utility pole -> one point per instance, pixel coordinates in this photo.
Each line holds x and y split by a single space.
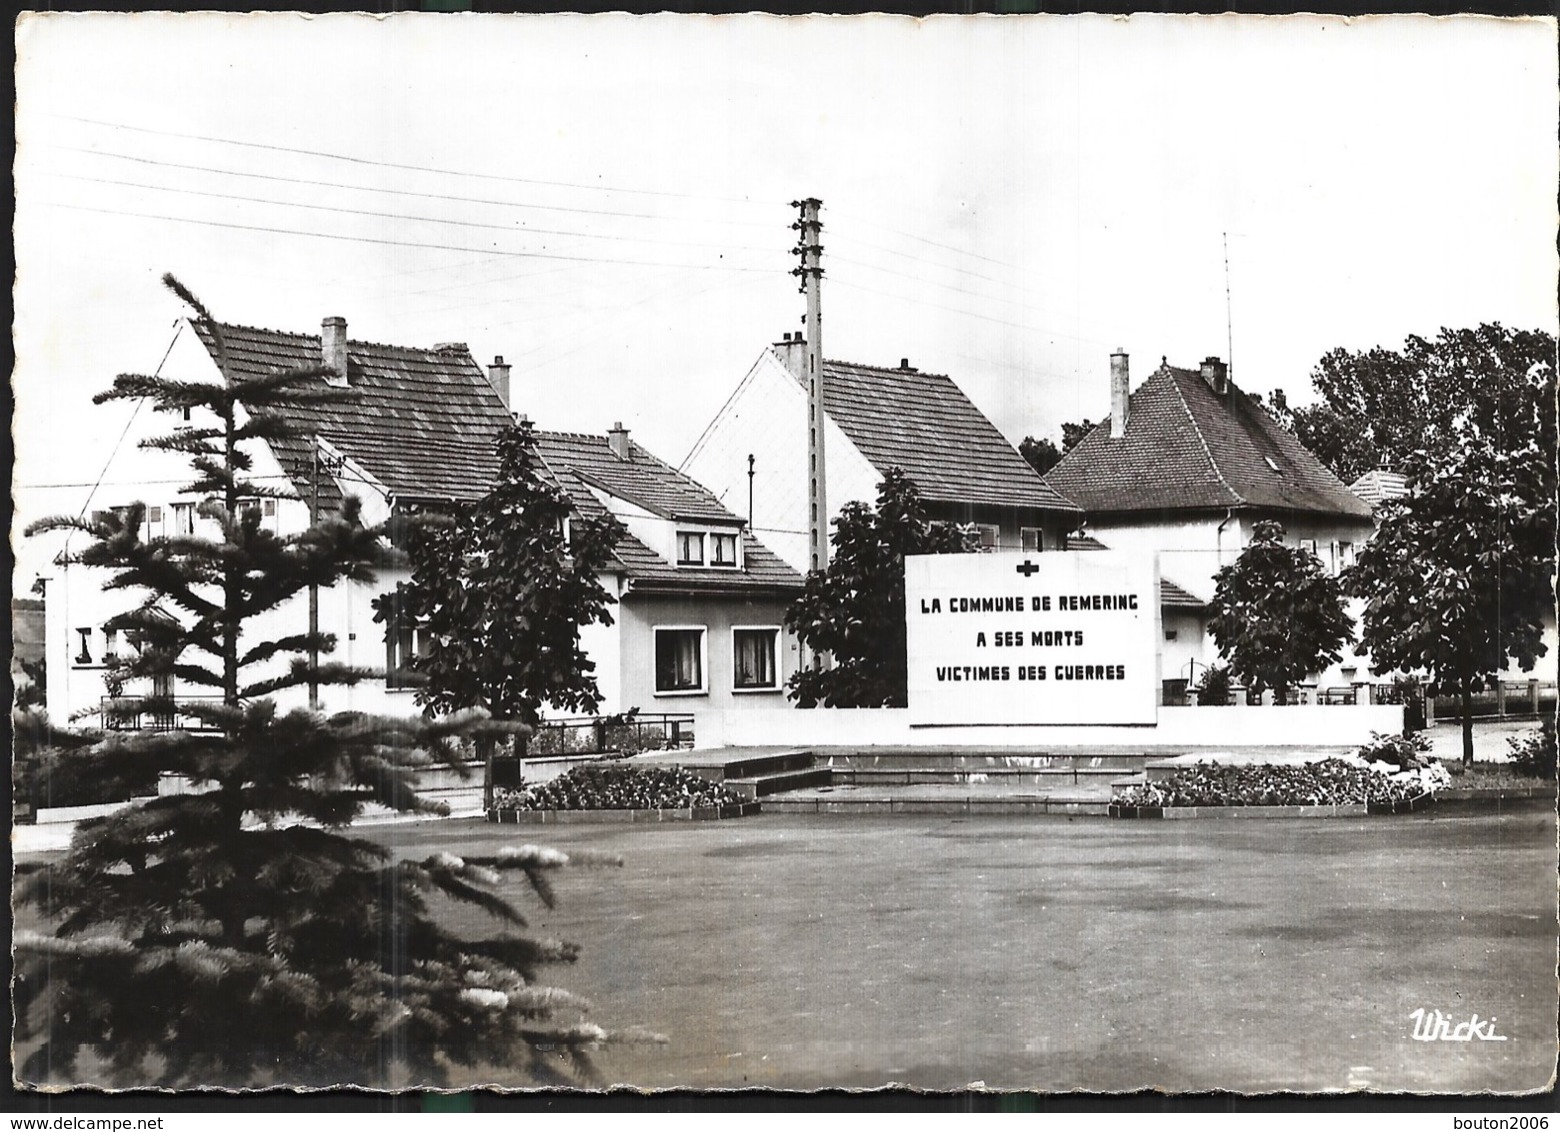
750 490
1229 318
810 249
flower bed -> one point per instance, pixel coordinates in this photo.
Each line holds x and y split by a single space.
1329 782
615 786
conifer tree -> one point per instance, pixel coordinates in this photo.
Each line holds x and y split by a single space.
235 935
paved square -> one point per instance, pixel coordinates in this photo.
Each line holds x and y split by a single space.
804 952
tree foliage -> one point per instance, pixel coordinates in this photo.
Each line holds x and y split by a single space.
854 610
234 935
1043 455
1278 616
1381 406
1459 573
501 594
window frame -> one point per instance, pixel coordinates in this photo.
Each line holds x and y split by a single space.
183 519
774 661
394 662
1039 533
713 538
996 537
703 687
685 533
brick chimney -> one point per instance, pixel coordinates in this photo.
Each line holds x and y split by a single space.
617 440
1120 394
792 352
498 378
333 349
1216 374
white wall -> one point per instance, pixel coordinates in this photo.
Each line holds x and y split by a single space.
767 417
1308 725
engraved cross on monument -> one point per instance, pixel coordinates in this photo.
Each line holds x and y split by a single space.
1027 568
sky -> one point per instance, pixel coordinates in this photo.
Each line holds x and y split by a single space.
606 200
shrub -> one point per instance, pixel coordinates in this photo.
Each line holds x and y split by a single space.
1534 752
1406 752
1213 688
613 786
1329 782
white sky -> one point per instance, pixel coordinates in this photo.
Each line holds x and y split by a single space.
1005 199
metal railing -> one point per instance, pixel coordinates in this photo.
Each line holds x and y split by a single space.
149 713
625 734
1506 699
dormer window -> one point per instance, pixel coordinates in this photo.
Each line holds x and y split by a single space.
690 548
723 549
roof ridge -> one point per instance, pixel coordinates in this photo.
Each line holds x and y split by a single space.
434 350
1197 432
912 372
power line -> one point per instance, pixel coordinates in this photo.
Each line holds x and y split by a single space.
924 240
518 230
405 192
354 160
399 243
970 314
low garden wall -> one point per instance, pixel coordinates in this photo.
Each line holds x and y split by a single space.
1178 727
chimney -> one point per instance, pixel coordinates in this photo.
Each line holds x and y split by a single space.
1120 393
333 349
617 440
1216 374
904 364
792 352
498 378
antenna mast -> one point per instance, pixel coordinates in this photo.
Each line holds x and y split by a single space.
1229 320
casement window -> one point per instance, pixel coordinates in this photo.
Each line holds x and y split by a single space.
110 645
679 660
404 640
85 655
690 548
753 659
1032 539
154 522
1308 544
989 534
1345 555
723 550
183 519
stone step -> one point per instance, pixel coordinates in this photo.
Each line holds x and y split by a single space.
763 786
1011 776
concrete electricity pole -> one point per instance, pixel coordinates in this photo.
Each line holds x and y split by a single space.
810 249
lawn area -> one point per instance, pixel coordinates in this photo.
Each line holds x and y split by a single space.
803 952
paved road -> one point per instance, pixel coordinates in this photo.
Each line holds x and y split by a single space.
795 951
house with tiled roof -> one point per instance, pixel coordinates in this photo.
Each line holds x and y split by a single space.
420 431
754 453
1380 485
1183 467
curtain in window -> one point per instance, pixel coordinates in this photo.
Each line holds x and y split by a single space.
755 658
677 661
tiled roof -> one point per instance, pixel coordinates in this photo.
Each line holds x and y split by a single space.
1170 594
924 424
644 480
1379 485
424 422
1175 597
1188 448
579 463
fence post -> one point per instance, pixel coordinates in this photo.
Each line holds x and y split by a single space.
1533 696
1429 709
1500 699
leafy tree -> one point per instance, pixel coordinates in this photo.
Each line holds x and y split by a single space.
1460 571
1382 405
854 610
1043 455
1277 614
235 935
501 595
